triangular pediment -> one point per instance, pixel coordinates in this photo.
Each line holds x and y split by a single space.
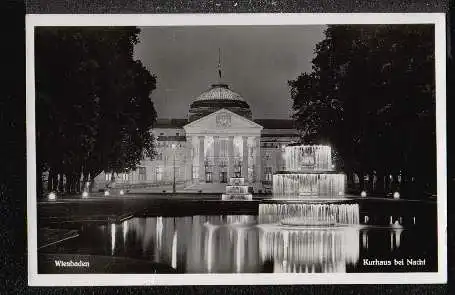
223 121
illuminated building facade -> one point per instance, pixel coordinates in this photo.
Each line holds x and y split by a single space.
219 140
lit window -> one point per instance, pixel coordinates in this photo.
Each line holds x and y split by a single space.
195 172
142 174
268 173
125 176
159 173
108 176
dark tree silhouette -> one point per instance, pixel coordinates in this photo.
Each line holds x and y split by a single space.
371 95
93 110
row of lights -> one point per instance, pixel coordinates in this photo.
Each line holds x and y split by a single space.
396 195
53 196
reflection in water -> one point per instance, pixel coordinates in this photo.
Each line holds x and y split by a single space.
238 244
174 251
197 244
310 250
364 236
124 230
113 227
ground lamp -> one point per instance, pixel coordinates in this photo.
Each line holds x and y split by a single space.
52 196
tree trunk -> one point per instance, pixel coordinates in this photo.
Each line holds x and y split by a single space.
84 181
78 183
52 183
39 184
71 183
67 183
60 183
92 180
50 180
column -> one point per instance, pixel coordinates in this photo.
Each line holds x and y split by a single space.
245 158
201 159
231 157
258 160
216 155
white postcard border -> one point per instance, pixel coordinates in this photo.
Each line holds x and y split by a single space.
438 19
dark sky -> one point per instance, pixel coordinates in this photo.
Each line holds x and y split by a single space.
257 62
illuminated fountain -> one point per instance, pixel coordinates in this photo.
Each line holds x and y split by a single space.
309 192
237 190
309 173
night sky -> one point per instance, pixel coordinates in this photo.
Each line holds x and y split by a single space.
257 62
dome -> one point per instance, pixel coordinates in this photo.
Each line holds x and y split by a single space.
217 97
219 92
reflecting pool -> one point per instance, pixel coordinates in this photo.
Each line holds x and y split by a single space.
240 244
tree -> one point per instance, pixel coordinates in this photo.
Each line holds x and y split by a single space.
371 95
93 109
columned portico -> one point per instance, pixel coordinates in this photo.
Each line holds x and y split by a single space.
224 141
258 159
201 167
216 160
245 158
231 156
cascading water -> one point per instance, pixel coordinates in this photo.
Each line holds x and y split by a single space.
338 213
309 189
309 172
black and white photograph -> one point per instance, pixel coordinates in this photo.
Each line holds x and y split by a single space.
188 150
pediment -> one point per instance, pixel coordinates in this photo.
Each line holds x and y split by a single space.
223 121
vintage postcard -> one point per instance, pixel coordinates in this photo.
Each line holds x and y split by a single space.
236 149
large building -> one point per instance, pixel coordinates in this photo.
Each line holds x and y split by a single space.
220 139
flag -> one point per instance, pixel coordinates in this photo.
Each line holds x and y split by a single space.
219 62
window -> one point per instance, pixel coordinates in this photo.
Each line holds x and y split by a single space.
108 176
177 134
208 174
159 173
161 133
142 174
124 176
268 174
208 177
195 172
238 171
223 177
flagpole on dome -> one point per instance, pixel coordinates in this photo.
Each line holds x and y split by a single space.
219 66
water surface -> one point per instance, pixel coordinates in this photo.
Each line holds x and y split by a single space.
238 244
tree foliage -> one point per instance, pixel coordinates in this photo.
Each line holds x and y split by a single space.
371 94
93 109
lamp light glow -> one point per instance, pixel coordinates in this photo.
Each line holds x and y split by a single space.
52 196
122 192
106 193
396 195
363 194
85 194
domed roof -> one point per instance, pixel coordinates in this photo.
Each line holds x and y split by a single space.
219 92
219 96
